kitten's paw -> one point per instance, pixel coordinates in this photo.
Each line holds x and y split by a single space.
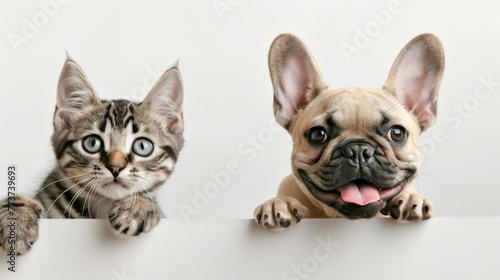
134 215
19 222
409 207
279 213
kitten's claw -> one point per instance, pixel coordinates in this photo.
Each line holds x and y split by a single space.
133 215
19 220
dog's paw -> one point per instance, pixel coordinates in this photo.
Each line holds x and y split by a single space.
280 213
19 224
134 215
409 207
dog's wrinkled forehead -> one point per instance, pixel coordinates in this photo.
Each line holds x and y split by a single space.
356 110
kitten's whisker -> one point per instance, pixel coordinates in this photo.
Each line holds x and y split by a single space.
70 204
75 197
85 201
134 203
89 197
96 187
99 201
150 196
60 181
89 193
138 176
48 210
148 181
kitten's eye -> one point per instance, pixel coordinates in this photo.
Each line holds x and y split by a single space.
318 135
143 147
397 134
92 144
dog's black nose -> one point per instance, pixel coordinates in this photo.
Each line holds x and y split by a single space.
357 150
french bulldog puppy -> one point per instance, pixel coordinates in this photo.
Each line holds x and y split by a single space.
355 149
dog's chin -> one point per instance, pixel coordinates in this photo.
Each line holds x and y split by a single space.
351 210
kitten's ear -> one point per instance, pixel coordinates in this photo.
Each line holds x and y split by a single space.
295 76
74 95
165 100
416 76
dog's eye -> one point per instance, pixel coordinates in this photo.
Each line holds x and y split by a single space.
92 144
397 134
318 135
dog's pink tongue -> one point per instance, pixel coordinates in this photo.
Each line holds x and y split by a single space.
361 195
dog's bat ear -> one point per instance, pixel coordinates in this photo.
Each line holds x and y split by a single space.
295 76
416 76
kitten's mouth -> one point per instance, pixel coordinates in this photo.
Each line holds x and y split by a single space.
116 184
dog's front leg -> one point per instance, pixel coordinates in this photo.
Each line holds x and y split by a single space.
284 210
409 206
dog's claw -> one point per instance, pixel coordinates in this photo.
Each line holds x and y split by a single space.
409 207
296 214
280 213
283 222
395 212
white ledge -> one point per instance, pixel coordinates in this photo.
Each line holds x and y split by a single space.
441 248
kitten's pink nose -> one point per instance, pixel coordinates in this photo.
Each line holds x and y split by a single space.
116 162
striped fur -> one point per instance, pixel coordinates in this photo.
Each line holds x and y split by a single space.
82 186
114 182
117 123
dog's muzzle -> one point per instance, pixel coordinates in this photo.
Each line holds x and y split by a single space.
357 180
357 150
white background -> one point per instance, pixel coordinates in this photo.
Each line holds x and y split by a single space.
438 249
228 93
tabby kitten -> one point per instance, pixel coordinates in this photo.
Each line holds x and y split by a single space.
111 157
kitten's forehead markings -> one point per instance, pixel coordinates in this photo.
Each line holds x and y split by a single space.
129 140
119 114
118 141
118 118
106 138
